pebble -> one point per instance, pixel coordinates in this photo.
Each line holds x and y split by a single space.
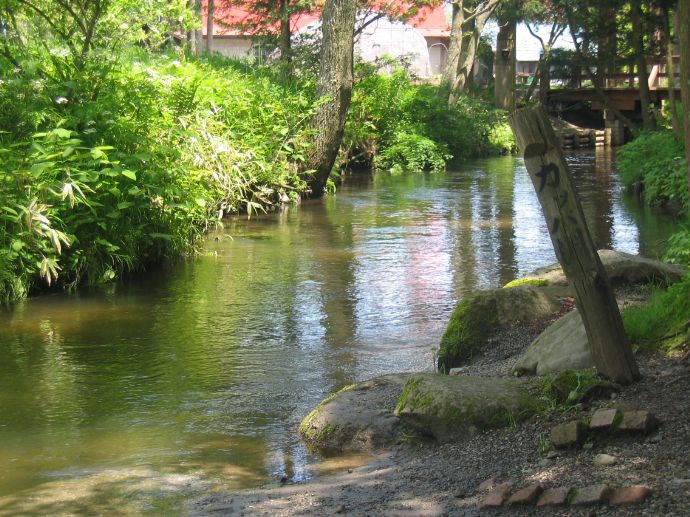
604 460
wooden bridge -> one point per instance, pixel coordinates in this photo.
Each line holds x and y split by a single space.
622 90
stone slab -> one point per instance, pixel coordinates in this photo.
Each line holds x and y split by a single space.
495 498
639 421
592 494
630 495
569 434
555 496
527 495
603 419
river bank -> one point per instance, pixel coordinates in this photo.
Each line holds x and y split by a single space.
429 479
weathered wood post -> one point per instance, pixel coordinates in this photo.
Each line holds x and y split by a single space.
572 242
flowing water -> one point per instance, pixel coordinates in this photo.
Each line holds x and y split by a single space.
130 399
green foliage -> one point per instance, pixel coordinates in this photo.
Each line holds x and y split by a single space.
678 247
664 321
471 323
409 127
563 390
138 174
411 152
657 161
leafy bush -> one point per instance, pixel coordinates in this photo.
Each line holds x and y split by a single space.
137 174
410 152
390 111
657 161
678 247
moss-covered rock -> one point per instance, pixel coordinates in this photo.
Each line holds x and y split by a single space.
358 417
480 314
452 408
535 282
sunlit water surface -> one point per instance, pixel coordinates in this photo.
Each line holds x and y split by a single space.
194 378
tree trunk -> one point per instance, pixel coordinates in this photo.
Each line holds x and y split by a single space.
684 26
468 54
648 121
450 69
334 88
606 45
504 86
670 74
284 42
608 342
209 25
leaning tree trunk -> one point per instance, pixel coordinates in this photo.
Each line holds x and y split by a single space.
548 170
684 25
648 121
334 88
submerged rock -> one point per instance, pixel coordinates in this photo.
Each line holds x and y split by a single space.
452 408
482 313
357 418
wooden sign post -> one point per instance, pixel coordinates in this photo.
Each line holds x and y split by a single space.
572 242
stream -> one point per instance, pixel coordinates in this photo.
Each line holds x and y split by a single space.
131 398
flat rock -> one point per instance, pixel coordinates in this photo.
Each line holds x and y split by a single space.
452 408
358 418
562 346
622 269
527 495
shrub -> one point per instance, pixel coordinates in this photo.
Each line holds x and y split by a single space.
657 161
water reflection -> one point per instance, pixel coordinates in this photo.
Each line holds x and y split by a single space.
202 371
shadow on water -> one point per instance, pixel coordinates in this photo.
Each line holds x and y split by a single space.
196 376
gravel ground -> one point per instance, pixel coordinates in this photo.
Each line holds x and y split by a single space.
419 479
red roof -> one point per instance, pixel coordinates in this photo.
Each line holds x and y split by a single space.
237 21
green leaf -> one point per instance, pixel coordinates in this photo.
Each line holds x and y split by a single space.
129 174
39 168
201 202
62 132
165 236
124 205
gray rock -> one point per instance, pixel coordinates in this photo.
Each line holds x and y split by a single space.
622 268
455 408
562 346
357 418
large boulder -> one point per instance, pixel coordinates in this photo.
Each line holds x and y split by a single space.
480 314
357 418
622 269
453 408
562 346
